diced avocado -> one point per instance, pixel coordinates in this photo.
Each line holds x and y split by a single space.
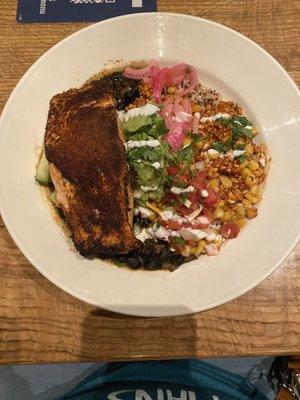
43 173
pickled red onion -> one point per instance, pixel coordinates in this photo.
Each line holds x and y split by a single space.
141 73
175 137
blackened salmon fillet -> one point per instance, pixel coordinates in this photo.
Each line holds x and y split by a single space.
84 145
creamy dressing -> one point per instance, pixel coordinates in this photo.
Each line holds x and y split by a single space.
155 232
215 117
194 214
177 190
262 162
192 234
237 153
149 188
141 143
143 235
148 109
137 194
145 212
156 165
212 152
204 193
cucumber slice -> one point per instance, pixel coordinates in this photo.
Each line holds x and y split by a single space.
53 198
43 172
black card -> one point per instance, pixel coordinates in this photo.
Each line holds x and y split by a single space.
79 10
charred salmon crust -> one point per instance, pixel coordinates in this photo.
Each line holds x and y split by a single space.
84 146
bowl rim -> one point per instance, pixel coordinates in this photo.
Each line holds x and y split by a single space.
35 65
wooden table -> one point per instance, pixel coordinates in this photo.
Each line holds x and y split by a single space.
40 323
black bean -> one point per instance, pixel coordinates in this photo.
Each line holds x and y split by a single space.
152 264
134 262
177 259
121 258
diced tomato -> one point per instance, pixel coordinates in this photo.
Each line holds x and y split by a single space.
212 249
191 243
204 220
229 231
183 178
182 210
194 198
198 181
212 198
173 170
200 223
172 225
208 214
168 198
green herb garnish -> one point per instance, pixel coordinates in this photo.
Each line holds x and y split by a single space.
141 159
185 154
238 126
220 147
178 240
136 123
195 137
119 264
183 199
242 158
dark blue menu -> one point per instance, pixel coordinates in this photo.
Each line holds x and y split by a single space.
79 10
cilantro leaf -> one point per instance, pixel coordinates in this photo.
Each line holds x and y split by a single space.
178 240
220 147
242 120
185 154
242 158
195 137
237 124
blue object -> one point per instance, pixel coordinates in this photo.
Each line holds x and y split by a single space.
163 380
79 10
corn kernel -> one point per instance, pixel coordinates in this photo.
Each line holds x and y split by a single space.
261 178
221 203
153 207
252 212
196 108
246 172
244 164
247 204
227 216
214 183
240 222
254 190
171 90
240 210
218 213
249 148
199 145
251 198
253 165
258 172
200 247
250 180
226 182
186 251
187 141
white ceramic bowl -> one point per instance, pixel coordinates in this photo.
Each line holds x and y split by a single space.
227 61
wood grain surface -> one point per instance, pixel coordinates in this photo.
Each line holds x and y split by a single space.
39 323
